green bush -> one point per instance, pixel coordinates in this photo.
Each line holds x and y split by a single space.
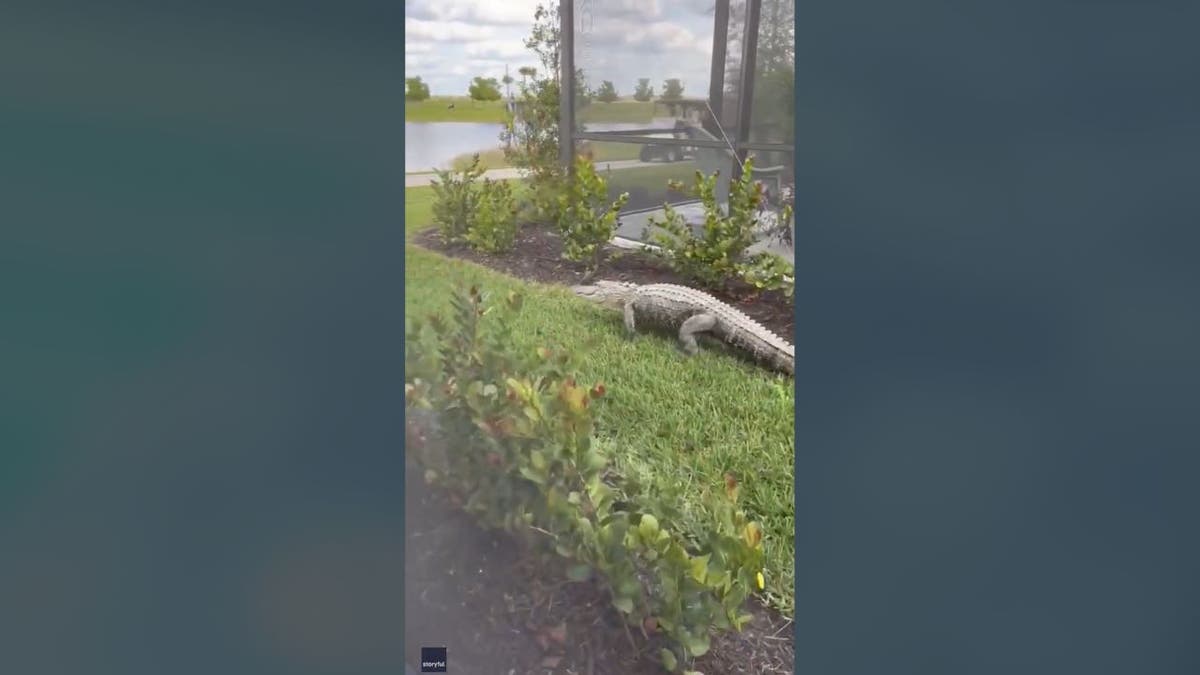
718 254
769 272
495 224
588 220
456 200
712 257
520 427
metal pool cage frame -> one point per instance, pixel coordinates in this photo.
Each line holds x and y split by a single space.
739 140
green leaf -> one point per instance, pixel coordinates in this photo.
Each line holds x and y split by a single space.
699 567
668 660
696 645
593 461
628 587
580 573
648 527
624 604
585 527
532 475
537 459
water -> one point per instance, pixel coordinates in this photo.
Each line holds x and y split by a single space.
433 145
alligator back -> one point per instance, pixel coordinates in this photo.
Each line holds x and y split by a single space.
670 305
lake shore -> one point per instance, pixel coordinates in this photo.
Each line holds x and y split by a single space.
465 109
432 145
419 179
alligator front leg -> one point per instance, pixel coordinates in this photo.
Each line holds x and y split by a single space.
630 323
699 323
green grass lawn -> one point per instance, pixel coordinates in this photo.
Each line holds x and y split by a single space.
436 109
623 110
674 424
602 152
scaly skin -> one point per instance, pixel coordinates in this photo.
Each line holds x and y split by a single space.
690 312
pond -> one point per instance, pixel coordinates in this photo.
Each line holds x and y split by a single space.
433 145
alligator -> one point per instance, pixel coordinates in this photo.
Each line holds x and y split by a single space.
691 312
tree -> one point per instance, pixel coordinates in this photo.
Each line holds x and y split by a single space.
644 91
776 36
507 80
415 89
531 139
775 54
583 94
672 90
607 92
484 89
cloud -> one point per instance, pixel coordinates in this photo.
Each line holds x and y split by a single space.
508 13
445 31
640 10
448 42
500 49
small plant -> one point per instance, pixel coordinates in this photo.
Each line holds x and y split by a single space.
769 272
494 228
588 220
714 256
785 226
457 200
521 426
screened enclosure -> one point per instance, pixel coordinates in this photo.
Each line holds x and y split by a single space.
654 91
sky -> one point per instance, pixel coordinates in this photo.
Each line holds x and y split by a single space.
449 42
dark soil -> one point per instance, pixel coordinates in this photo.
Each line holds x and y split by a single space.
480 595
537 256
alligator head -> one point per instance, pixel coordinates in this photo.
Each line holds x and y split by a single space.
611 294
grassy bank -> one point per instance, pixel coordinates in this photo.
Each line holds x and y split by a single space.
674 424
437 109
624 110
602 152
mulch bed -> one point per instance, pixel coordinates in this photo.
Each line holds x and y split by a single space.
537 256
485 599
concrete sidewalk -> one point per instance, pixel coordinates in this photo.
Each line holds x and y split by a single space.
421 179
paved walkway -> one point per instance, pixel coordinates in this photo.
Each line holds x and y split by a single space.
420 179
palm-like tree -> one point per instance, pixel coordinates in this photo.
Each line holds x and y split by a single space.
526 73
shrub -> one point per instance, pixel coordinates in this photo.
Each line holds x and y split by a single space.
769 272
456 200
712 257
484 89
718 254
494 228
521 429
587 219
